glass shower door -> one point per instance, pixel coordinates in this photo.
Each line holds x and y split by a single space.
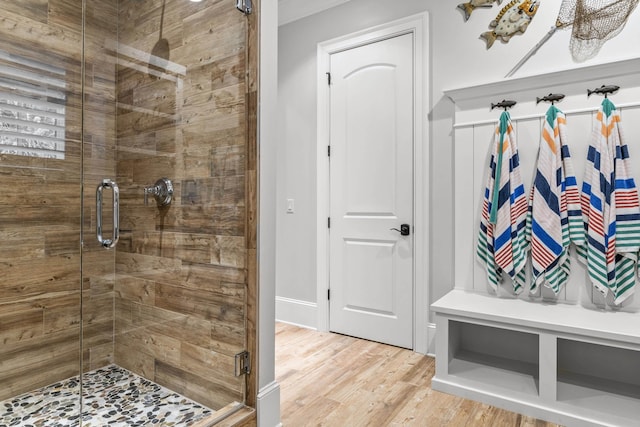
164 310
131 94
40 211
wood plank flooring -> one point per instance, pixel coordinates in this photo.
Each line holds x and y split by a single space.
334 380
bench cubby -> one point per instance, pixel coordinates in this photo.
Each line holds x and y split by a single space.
558 362
572 358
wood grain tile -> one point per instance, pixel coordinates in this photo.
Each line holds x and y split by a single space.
183 268
175 291
334 380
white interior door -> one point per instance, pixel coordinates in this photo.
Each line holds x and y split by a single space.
371 191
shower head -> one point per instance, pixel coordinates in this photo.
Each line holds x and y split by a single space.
159 57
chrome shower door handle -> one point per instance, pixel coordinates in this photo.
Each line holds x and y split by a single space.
108 243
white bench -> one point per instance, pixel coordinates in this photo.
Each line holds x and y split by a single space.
558 362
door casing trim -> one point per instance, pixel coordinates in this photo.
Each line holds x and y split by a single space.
418 26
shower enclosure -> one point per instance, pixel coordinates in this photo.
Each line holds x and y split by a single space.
127 211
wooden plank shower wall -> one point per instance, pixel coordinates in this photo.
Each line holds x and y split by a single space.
473 135
40 207
181 285
180 278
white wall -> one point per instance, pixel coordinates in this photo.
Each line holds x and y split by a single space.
268 400
458 58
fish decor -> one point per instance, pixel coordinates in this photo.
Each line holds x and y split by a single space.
603 90
514 18
503 104
552 98
469 7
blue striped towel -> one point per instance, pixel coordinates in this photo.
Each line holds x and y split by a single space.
610 208
502 244
554 207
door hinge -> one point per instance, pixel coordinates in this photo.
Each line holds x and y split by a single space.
328 293
329 150
243 364
244 6
329 222
329 78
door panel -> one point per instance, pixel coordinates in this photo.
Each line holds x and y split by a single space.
370 187
378 255
371 169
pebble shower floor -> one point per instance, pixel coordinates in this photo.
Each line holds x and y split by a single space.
112 396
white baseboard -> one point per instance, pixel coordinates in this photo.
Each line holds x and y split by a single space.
268 406
296 312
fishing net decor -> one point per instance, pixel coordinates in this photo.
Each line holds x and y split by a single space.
594 22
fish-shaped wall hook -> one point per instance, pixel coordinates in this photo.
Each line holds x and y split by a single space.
504 104
552 98
470 6
603 90
514 18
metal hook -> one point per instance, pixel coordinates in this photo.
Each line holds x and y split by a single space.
552 98
603 90
504 104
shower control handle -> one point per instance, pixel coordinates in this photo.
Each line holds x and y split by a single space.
162 191
108 243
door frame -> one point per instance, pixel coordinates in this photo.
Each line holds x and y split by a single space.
418 26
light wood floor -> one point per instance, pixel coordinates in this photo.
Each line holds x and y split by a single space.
334 380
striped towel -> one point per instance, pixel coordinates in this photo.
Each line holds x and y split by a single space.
610 208
554 218
502 244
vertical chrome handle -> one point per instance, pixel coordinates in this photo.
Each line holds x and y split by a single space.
108 243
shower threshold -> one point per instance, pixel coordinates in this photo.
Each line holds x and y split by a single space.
112 396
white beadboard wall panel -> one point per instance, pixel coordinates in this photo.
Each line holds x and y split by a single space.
464 192
473 134
482 144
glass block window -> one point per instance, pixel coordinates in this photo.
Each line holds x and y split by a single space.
32 107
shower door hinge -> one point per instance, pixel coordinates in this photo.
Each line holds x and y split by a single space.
244 6
243 364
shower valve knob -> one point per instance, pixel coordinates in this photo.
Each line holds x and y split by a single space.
162 191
